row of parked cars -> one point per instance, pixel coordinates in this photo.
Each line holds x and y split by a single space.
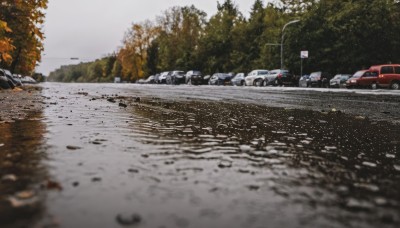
385 76
254 78
9 80
379 76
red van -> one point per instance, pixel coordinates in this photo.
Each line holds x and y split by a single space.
389 75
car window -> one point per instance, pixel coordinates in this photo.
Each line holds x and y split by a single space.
263 72
358 74
397 69
370 74
387 70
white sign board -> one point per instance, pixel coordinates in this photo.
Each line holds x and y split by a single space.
304 54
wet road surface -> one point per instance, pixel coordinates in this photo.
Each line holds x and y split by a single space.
158 156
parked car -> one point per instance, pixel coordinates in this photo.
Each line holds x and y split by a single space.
281 78
175 78
206 79
320 79
11 77
363 79
4 82
256 78
219 79
304 81
194 77
162 79
389 75
150 80
28 80
238 79
339 80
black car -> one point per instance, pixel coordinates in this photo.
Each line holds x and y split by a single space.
7 80
16 81
284 78
220 79
176 77
194 77
4 82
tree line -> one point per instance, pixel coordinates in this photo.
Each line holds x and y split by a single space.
341 37
21 35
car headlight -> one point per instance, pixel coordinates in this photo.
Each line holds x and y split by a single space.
353 81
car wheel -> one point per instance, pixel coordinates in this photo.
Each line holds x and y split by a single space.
395 85
374 85
265 82
257 82
242 83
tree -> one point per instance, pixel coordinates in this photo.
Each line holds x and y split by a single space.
133 54
180 31
24 18
216 45
345 36
6 46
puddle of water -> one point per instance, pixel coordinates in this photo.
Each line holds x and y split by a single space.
212 164
23 177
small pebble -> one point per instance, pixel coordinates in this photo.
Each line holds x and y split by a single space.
128 220
73 147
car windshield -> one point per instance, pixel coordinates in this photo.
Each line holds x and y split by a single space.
358 74
344 77
262 72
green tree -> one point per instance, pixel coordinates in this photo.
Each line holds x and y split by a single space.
216 45
181 29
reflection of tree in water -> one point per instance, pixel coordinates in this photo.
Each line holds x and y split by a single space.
21 171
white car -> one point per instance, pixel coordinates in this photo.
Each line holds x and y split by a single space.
162 79
256 78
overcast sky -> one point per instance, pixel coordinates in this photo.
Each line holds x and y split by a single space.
90 29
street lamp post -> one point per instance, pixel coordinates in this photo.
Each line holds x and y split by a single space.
283 35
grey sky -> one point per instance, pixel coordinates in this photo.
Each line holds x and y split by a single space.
89 29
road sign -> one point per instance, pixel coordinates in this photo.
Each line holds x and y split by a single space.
304 54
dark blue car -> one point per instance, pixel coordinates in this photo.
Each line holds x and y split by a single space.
220 79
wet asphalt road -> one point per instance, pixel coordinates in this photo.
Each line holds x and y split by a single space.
110 155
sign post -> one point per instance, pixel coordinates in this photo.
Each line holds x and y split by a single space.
303 55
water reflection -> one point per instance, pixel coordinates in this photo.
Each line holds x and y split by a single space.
336 166
22 172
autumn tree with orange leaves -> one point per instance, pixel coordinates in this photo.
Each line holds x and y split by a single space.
133 54
6 46
21 36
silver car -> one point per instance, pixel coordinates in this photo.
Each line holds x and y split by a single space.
339 80
238 79
256 78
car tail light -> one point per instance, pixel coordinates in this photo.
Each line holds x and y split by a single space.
381 76
279 75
